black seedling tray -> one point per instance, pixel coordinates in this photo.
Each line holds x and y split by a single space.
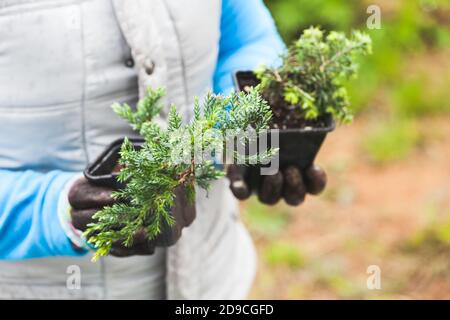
100 172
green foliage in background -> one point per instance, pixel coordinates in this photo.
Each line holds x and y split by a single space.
391 141
283 253
265 221
408 27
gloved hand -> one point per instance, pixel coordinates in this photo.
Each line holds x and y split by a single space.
86 199
289 183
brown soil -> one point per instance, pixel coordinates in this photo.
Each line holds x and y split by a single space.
117 168
286 116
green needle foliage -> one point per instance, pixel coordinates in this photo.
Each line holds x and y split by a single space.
169 159
312 74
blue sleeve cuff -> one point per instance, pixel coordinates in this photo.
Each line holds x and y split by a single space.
60 244
29 222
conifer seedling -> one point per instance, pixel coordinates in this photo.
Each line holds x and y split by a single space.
310 83
169 159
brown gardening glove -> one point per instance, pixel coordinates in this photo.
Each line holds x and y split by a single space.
289 183
86 199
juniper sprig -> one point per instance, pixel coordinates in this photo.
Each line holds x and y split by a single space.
170 158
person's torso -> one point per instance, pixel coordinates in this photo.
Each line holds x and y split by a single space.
62 64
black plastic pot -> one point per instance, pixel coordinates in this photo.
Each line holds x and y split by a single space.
297 146
101 173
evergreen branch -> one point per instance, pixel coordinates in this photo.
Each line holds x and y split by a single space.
168 160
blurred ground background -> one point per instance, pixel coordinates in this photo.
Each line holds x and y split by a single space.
388 198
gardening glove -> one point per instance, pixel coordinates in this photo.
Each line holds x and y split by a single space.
86 199
290 183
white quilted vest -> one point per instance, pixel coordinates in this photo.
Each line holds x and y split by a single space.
173 44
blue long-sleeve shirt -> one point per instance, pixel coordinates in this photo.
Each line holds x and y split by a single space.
29 223
248 38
